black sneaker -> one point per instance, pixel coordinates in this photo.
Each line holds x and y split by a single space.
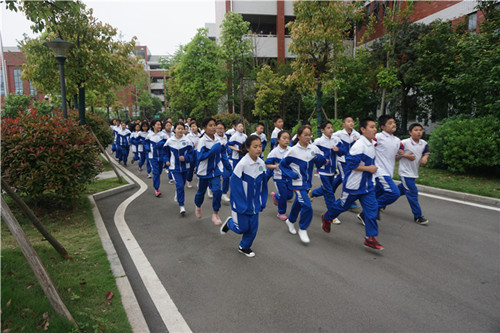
361 218
421 220
249 253
224 227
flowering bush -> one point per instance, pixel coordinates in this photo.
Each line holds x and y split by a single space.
48 156
98 124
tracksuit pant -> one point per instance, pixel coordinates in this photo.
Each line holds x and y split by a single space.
118 153
190 173
340 176
226 175
246 225
370 209
144 160
214 184
124 151
302 205
386 191
285 193
326 189
408 188
180 180
136 154
157 169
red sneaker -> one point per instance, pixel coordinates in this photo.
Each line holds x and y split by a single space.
326 225
372 243
275 201
157 193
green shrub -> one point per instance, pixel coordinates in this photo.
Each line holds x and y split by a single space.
48 156
15 104
227 118
98 124
463 145
44 108
337 126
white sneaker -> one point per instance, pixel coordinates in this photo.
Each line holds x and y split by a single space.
291 227
209 192
304 237
197 212
189 184
225 198
335 221
175 196
183 210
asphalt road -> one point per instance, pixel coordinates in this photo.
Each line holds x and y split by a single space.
441 277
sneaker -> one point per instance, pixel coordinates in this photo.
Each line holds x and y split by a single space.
175 197
225 198
325 224
149 175
132 162
197 212
171 181
304 237
282 217
421 220
336 221
182 210
139 169
275 201
249 253
291 227
361 218
310 194
224 228
354 206
209 193
189 185
157 193
216 219
372 243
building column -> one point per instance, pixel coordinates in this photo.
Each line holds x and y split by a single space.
280 29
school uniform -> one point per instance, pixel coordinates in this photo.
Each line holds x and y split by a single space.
134 145
226 174
263 141
141 138
123 144
408 172
154 145
283 184
248 198
237 140
358 185
274 137
114 146
298 164
168 135
174 149
230 133
347 142
194 138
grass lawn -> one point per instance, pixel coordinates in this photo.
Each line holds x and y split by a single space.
105 163
83 283
104 184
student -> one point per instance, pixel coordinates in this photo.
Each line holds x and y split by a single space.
348 136
113 128
235 143
117 128
387 148
154 145
209 169
134 141
415 152
248 195
123 143
358 183
167 129
231 131
143 134
259 131
194 136
226 174
278 127
304 123
330 146
298 164
283 184
179 152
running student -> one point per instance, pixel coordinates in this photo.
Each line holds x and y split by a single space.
298 164
416 152
248 195
278 127
123 143
143 134
209 169
283 184
194 136
154 145
226 174
259 131
358 183
178 150
235 143
134 141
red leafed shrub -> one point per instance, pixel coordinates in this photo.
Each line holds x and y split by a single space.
47 156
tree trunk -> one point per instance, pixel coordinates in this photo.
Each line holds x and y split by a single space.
81 105
319 103
242 108
335 92
404 109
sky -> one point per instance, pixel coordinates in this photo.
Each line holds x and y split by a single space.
162 25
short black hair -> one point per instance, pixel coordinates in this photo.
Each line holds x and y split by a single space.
260 124
324 123
412 126
383 119
276 118
343 119
364 122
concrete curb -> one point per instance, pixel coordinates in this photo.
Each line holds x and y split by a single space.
116 190
129 301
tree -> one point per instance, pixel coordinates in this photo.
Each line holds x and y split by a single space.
318 34
236 50
270 90
199 73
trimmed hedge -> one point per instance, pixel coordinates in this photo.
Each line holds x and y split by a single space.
464 145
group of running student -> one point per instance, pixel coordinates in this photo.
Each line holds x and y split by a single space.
365 164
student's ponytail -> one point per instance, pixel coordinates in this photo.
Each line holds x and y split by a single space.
248 142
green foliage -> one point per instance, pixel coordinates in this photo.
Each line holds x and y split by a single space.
463 145
270 89
15 104
227 119
99 126
337 126
48 156
44 107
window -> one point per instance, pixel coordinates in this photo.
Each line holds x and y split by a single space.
32 89
2 89
472 22
18 83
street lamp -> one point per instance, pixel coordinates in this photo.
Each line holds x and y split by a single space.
60 48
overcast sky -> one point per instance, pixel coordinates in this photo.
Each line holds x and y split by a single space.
162 25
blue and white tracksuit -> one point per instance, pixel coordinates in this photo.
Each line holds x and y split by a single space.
358 185
347 142
229 133
248 198
226 174
274 137
154 145
263 141
134 142
123 144
237 140
210 165
174 149
327 171
141 139
298 164
408 172
115 136
165 158
283 184
195 138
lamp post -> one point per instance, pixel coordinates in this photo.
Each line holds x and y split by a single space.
60 48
